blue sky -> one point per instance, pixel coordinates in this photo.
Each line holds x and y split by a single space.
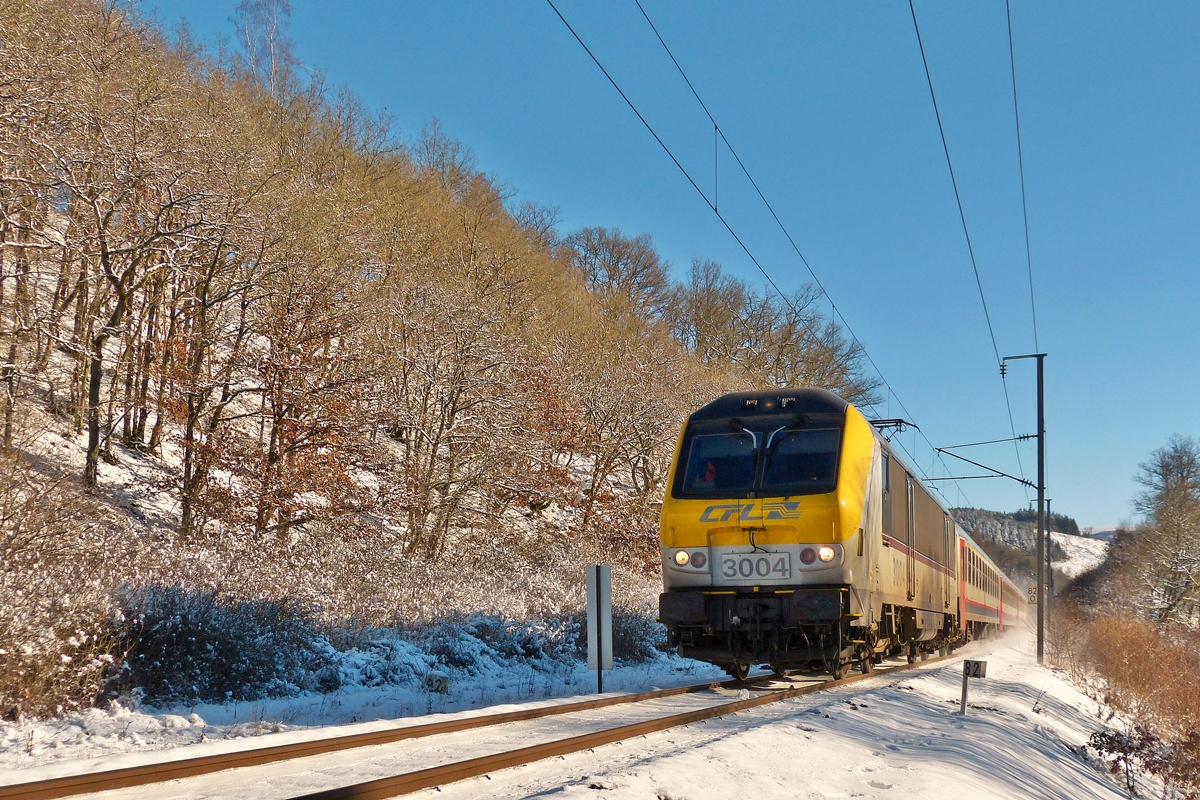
828 106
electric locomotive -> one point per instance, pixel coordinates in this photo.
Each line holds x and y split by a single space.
793 536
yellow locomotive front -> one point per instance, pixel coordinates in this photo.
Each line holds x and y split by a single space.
762 530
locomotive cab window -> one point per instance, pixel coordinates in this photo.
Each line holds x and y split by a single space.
802 462
720 464
758 457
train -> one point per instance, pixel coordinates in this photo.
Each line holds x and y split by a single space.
794 536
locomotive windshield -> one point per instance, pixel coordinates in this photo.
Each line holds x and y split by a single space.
802 462
777 461
720 465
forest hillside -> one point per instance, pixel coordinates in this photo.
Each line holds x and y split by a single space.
1016 529
1010 539
274 373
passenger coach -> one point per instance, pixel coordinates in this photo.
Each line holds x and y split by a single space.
793 536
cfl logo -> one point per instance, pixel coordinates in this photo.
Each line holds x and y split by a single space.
782 510
744 512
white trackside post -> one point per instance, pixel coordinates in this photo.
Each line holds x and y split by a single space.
599 621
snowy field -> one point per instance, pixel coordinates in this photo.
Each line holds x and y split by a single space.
888 737
1083 553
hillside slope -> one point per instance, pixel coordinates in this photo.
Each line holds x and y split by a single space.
1083 553
1015 529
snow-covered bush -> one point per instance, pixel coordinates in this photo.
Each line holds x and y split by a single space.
635 634
478 644
1139 749
182 645
57 557
191 646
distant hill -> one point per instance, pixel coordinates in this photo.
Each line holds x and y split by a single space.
1016 529
1059 523
1010 539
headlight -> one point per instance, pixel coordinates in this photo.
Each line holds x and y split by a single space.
681 558
826 553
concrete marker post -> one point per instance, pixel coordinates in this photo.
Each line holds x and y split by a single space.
971 669
599 621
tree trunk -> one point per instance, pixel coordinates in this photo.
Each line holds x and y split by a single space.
95 378
192 473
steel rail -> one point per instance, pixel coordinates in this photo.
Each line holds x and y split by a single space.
472 768
127 777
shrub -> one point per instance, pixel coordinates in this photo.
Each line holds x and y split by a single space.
58 550
634 635
1148 671
182 645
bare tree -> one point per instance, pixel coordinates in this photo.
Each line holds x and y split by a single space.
261 27
766 339
706 310
540 222
108 151
617 268
444 156
448 402
1170 539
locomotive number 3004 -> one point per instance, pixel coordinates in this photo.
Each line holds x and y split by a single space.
757 565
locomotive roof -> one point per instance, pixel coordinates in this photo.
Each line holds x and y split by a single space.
788 401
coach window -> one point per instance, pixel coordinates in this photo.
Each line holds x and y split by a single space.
887 481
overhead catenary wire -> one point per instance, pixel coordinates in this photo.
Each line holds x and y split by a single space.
985 466
967 235
713 207
711 204
779 222
1012 62
1022 438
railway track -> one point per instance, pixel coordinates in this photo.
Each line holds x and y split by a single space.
189 767
769 689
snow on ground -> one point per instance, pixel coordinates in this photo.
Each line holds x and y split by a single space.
900 737
1083 553
887 738
891 736
100 735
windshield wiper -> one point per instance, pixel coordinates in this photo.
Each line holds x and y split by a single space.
735 424
798 422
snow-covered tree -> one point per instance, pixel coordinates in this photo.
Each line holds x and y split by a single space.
1169 542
